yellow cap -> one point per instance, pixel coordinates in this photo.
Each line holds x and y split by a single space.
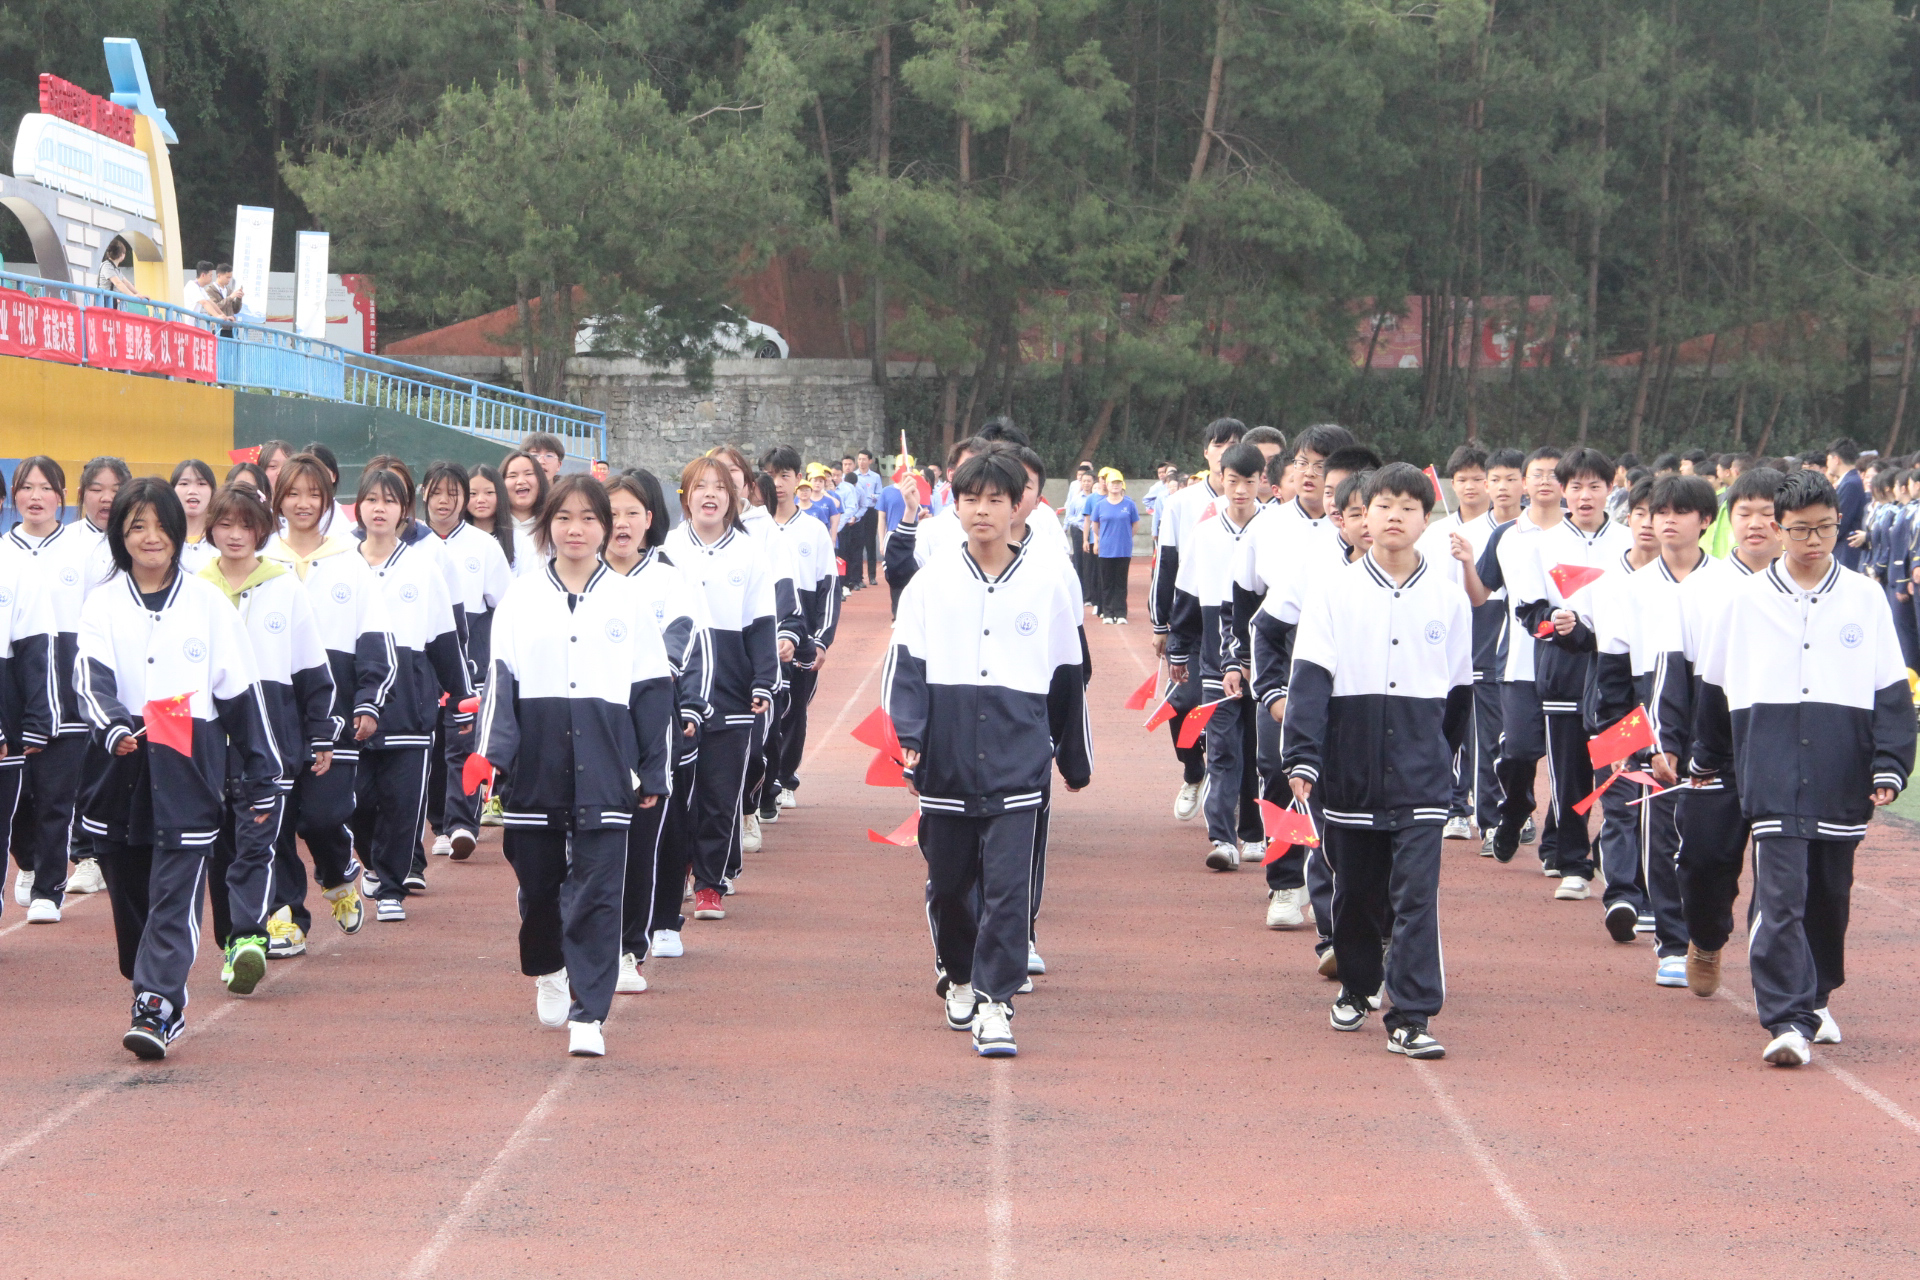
1112 473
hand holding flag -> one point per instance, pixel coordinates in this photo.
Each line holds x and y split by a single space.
477 771
169 722
1196 722
1285 828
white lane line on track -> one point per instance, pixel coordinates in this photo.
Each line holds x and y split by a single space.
27 1140
1457 1121
463 1213
999 1180
1867 1091
73 901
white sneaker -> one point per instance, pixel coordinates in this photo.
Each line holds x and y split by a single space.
961 1004
1025 988
1572 889
443 846
1788 1049
1829 1032
1034 963
43 911
631 981
461 843
369 885
1283 908
1457 828
787 799
23 889
750 833
390 910
1186 801
86 877
1672 972
1225 856
585 1041
1251 851
666 944
993 1031
552 998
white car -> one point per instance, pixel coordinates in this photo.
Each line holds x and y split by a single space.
737 338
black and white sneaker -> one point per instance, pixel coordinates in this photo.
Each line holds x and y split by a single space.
1623 919
1349 1012
1506 843
1529 833
962 1004
1414 1042
154 1028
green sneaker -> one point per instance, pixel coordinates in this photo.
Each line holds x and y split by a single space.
246 965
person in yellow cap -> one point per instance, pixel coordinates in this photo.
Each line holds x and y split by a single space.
825 506
1110 522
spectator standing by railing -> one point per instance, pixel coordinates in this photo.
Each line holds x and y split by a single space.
869 483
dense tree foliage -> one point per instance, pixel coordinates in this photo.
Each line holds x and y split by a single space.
1188 200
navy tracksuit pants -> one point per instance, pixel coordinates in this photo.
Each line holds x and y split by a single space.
979 897
317 811
1389 876
571 888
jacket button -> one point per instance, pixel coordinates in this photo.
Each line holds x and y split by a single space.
983 717
987 632
983 673
983 755
1392 685
572 685
1803 742
149 661
1396 642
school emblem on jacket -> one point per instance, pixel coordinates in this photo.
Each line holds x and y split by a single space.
195 648
342 593
1026 624
659 610
1435 632
276 623
409 593
736 578
1851 635
473 564
616 630
6 598
70 576
806 551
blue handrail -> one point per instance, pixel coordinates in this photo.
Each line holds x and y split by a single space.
255 356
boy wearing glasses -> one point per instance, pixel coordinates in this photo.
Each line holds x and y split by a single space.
1804 699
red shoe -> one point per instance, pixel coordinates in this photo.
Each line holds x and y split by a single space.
706 905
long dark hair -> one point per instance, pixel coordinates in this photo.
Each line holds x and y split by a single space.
502 531
539 479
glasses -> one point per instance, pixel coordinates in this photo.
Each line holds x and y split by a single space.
1312 468
1818 532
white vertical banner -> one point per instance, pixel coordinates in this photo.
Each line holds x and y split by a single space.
252 259
310 284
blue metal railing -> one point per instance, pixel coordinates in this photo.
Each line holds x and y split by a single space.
257 357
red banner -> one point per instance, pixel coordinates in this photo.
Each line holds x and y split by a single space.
39 328
75 105
140 344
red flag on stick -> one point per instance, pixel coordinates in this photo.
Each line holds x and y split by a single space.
905 835
478 769
1196 722
1161 714
170 722
470 706
1569 578
1643 779
1582 806
885 771
1544 630
1439 494
1137 700
249 454
876 731
1285 828
1633 733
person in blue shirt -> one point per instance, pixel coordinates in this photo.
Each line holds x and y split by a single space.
865 563
825 505
1110 521
892 507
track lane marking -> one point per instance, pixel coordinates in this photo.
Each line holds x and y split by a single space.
999 1182
72 901
1543 1246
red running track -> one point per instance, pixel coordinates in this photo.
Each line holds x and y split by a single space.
785 1102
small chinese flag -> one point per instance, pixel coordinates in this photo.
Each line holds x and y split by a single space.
469 706
885 771
1137 700
1285 828
477 771
1569 578
876 731
1195 724
170 722
1642 779
1161 714
905 469
840 566
1633 733
249 454
1208 514
1439 494
1582 806
904 835
1544 630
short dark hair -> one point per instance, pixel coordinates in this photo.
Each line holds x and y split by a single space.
1353 458
1353 488
864 453
1402 480
1277 467
995 470
1627 461
1695 456
52 472
564 487
156 494
1683 494
1636 475
999 427
1754 482
103 462
1325 439
1584 462
1545 453
203 268
1245 460
452 473
961 448
249 473
222 268
327 460
1465 458
1640 492
1667 462
1225 431
242 503
1511 458
393 484
1030 459
645 486
1802 490
544 442
1264 435
1739 463
782 457
1844 449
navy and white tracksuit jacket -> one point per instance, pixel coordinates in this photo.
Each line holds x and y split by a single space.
129 655
579 700
296 679
28 672
350 621
816 582
428 661
1201 629
69 564
677 609
480 575
735 576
